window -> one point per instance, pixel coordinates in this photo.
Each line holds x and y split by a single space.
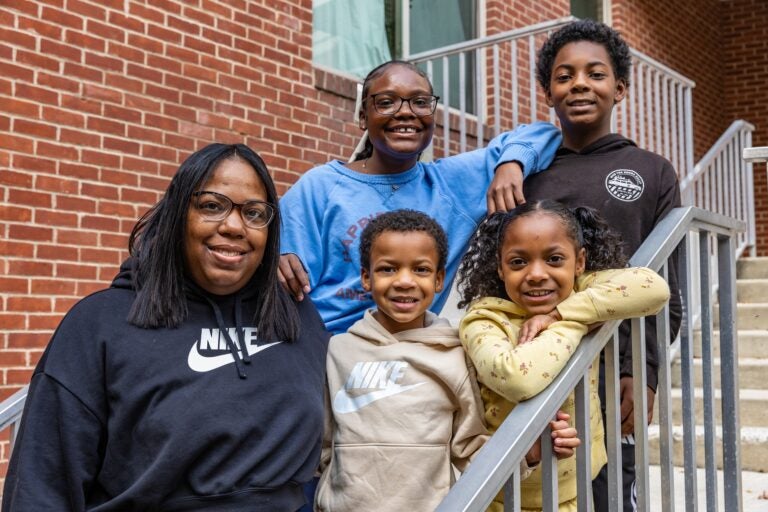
587 9
354 36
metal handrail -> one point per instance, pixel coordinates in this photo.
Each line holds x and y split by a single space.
10 413
480 42
497 462
723 182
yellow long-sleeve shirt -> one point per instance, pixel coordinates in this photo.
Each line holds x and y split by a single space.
509 373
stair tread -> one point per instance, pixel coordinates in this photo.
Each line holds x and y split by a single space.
744 393
743 361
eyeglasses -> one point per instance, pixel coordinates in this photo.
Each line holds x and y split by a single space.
215 207
389 104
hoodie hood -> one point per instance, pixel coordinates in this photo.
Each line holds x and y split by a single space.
606 144
126 279
125 276
436 331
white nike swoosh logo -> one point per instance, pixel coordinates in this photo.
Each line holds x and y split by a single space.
343 403
201 363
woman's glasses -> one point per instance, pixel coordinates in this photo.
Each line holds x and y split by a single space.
389 104
215 207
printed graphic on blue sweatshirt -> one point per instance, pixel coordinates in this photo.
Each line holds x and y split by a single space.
370 381
211 351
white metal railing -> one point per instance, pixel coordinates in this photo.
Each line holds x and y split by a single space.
657 113
496 465
722 182
10 415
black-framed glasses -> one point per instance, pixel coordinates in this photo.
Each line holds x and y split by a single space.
215 207
388 104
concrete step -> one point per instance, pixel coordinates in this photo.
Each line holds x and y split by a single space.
752 344
754 447
754 490
752 407
752 290
749 316
752 268
752 373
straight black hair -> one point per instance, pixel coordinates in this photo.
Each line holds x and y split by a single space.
157 240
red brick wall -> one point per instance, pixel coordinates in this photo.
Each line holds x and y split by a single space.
684 35
744 74
100 101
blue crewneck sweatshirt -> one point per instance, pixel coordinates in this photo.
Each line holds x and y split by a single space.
324 213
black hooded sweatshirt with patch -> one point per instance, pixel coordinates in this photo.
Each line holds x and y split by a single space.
121 418
633 189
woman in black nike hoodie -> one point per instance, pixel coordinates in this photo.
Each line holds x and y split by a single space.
192 383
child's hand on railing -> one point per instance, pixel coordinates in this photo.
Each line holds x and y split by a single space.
564 440
537 323
564 437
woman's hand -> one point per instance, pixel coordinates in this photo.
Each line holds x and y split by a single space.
506 190
292 275
537 323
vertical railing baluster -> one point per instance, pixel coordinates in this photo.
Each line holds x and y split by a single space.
729 384
462 103
686 361
532 77
664 401
479 97
446 108
707 372
613 422
512 493
658 147
642 111
496 92
515 84
640 396
549 494
584 451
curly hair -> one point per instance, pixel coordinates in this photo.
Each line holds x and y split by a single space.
403 221
584 30
478 272
376 72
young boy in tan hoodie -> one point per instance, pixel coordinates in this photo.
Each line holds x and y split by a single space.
403 402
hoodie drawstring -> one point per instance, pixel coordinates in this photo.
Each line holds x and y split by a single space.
230 343
239 326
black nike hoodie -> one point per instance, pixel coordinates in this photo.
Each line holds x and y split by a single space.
633 189
121 418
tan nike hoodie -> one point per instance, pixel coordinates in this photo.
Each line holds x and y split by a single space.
401 409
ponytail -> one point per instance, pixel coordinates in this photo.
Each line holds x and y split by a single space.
602 245
478 274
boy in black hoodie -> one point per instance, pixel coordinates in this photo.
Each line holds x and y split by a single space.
584 71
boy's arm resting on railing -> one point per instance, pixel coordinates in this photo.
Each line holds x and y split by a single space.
58 452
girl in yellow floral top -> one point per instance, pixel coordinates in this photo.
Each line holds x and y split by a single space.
534 279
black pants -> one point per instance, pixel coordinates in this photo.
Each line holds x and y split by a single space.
600 483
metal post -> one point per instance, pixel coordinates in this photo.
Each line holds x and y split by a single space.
729 384
707 372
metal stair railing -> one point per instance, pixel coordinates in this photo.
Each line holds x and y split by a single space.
495 466
10 415
657 113
722 182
